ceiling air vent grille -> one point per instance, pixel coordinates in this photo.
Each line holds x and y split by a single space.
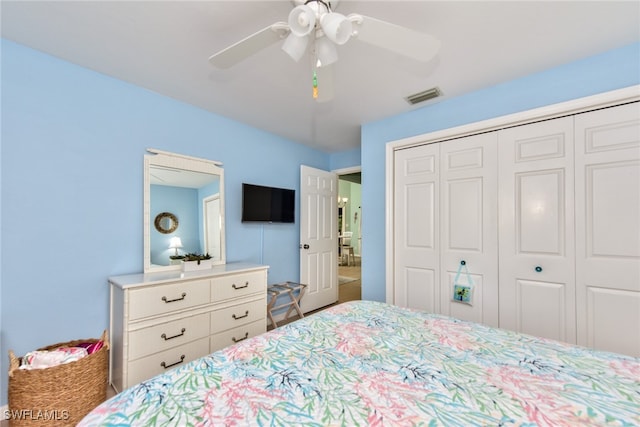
426 95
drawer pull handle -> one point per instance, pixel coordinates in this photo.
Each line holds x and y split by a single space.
165 366
184 294
246 313
246 335
246 285
175 336
538 269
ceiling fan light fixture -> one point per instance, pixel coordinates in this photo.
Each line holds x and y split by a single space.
295 46
336 27
326 52
302 20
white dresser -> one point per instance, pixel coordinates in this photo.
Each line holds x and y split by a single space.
163 320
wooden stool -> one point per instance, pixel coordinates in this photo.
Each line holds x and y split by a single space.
287 288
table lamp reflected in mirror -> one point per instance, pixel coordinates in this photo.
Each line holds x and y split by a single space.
175 243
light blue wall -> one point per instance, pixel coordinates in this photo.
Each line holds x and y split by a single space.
611 70
73 143
345 159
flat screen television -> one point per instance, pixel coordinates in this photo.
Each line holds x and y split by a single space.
267 204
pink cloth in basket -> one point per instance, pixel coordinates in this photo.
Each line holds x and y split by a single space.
40 359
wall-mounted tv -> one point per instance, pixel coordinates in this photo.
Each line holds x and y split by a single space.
267 204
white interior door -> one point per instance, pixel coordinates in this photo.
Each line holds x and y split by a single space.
536 239
212 233
608 229
416 228
469 225
318 237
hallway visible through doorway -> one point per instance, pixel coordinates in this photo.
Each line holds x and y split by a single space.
349 233
350 279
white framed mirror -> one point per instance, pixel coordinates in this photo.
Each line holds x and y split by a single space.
183 210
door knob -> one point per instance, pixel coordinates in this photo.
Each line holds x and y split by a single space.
305 246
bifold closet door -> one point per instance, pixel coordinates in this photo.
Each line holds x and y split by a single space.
469 225
608 229
416 225
536 229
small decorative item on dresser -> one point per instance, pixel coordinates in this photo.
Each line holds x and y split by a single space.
63 394
192 262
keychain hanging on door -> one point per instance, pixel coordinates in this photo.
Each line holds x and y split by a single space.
463 292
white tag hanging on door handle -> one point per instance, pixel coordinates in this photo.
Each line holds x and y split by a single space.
463 292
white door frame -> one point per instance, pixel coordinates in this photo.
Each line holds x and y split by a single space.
580 105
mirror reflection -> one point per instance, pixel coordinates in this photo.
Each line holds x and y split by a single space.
166 222
184 210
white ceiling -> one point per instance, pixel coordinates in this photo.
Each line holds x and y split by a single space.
164 46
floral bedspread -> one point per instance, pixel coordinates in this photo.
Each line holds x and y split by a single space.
368 363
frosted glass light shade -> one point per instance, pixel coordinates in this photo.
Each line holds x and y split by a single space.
336 27
302 19
326 52
295 46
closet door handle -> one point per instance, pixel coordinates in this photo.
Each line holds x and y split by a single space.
538 269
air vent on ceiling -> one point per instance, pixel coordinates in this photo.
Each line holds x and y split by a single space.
419 97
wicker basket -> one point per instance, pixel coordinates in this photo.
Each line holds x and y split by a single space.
60 395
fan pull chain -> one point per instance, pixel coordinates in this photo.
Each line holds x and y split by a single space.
315 85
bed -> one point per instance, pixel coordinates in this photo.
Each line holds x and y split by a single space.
370 363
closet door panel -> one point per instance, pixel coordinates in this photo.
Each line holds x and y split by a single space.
608 229
468 213
539 217
541 308
416 235
536 239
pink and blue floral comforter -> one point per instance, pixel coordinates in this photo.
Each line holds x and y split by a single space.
368 363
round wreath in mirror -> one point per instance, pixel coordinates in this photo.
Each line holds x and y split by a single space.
166 222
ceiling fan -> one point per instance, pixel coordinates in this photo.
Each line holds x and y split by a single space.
314 26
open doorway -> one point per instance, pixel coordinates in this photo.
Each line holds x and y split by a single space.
349 235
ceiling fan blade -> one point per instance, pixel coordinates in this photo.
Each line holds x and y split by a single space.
325 83
402 40
248 46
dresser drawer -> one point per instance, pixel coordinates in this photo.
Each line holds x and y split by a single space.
235 335
239 285
163 299
147 367
167 335
237 315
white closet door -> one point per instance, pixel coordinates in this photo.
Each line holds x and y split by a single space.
608 229
536 220
469 224
416 225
